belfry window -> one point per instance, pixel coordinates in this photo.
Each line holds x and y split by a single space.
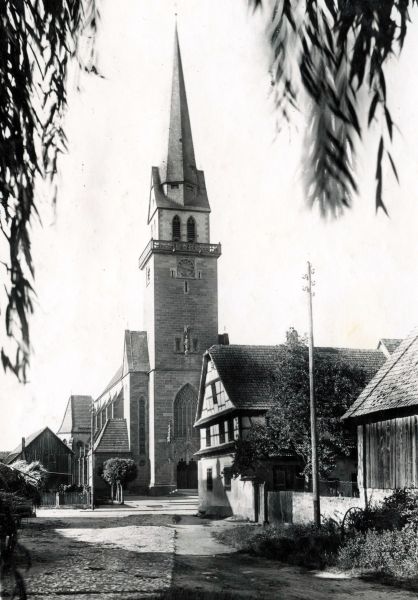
176 229
191 230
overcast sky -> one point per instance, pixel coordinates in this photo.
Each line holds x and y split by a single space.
86 254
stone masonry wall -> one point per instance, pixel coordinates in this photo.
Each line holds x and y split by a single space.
165 455
300 506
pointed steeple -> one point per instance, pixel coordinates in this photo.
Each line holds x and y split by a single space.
181 163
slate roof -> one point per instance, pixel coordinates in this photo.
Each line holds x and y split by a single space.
395 385
113 437
247 372
199 201
77 415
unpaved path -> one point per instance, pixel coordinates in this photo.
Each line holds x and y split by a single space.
115 555
206 567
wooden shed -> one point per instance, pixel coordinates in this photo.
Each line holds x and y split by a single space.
47 448
386 417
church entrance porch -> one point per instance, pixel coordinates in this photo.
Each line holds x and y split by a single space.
187 475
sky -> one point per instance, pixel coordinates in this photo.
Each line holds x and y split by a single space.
89 287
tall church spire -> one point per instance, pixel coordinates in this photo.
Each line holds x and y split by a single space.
181 163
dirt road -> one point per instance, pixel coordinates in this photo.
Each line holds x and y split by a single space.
159 549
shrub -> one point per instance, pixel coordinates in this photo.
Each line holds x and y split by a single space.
396 511
303 545
391 552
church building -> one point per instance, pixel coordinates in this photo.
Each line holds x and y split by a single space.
147 410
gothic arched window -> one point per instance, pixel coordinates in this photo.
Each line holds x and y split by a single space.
185 405
141 425
191 230
176 229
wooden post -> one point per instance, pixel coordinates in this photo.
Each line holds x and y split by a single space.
315 470
92 454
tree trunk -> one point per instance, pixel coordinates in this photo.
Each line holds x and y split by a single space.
111 492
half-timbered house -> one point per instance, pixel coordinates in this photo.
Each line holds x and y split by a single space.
236 391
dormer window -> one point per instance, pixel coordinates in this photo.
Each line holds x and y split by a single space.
176 229
191 230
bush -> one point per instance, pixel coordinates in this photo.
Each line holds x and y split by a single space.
392 552
302 545
66 488
395 512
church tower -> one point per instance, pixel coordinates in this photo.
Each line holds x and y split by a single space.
181 298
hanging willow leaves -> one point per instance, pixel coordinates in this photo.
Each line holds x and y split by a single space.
38 40
331 50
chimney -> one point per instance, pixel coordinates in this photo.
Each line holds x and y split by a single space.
223 339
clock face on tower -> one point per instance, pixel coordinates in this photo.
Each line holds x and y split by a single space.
185 268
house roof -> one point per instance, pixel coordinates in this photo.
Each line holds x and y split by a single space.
247 372
113 437
395 385
14 454
77 415
391 343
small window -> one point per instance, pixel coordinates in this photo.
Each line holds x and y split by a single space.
199 274
236 428
208 440
177 344
209 479
214 397
172 272
221 433
227 478
195 344
176 229
186 287
191 230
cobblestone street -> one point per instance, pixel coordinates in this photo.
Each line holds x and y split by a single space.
156 548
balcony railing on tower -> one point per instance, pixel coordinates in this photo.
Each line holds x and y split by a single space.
168 247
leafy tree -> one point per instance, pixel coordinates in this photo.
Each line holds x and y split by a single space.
287 426
117 472
38 39
332 50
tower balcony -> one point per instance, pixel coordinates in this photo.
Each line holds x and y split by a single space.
169 247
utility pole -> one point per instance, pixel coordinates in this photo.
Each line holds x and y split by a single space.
92 454
315 474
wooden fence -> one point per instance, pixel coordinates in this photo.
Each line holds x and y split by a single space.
74 499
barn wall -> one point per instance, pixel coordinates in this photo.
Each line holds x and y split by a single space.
54 456
387 453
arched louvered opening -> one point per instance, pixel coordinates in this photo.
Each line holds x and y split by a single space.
191 230
176 229
185 405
